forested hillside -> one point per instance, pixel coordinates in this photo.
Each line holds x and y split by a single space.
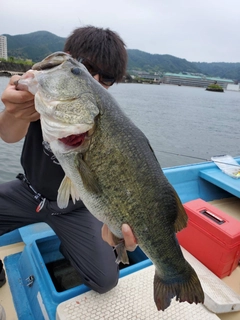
37 45
140 60
34 46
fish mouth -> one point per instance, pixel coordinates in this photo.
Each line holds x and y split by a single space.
74 140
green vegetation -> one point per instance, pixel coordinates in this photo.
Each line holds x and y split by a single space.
34 46
139 60
214 87
220 69
38 45
17 61
14 64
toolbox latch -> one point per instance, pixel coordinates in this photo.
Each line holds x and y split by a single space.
212 216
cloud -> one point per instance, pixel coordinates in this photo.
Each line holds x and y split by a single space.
206 30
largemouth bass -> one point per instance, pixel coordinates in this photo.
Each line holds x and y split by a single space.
110 165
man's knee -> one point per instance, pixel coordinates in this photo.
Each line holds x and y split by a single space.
107 282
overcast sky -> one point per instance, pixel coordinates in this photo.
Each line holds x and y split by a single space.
205 30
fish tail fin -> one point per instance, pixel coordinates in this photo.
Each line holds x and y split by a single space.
65 190
187 290
182 218
121 251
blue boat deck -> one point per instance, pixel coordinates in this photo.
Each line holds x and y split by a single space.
42 248
223 181
39 299
203 180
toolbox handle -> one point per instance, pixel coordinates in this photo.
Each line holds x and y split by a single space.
212 216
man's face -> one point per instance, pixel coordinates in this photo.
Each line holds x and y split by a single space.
96 77
104 78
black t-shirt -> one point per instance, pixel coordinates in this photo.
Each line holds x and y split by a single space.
40 165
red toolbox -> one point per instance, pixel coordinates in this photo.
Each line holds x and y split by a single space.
212 236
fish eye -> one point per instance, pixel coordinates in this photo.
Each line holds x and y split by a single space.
76 71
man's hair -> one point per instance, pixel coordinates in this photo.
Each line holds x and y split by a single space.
103 47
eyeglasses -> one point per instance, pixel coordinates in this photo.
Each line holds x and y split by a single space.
104 78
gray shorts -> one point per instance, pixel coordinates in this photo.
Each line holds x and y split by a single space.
78 230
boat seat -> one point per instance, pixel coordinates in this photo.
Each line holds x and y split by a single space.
221 180
35 231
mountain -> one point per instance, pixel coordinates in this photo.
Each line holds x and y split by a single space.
220 69
139 60
34 46
37 45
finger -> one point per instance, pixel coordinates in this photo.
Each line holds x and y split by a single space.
24 84
107 235
129 238
27 114
11 95
13 85
13 79
104 232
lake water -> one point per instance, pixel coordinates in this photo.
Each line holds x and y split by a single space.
183 124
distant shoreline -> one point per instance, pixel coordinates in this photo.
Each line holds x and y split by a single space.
10 73
8 69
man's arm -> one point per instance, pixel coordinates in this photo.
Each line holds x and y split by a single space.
18 113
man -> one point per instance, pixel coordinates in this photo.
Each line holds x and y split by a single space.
31 197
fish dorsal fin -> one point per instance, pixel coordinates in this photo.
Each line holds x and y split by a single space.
66 189
87 176
182 218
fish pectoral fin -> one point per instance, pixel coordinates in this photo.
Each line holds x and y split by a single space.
87 176
120 249
74 193
66 189
182 218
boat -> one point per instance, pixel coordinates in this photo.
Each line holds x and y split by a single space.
31 253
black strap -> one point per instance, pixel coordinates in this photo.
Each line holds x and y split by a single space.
37 195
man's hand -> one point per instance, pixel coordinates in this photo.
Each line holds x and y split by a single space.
129 239
18 113
18 103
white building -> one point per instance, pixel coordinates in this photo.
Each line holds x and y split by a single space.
233 87
188 79
3 47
